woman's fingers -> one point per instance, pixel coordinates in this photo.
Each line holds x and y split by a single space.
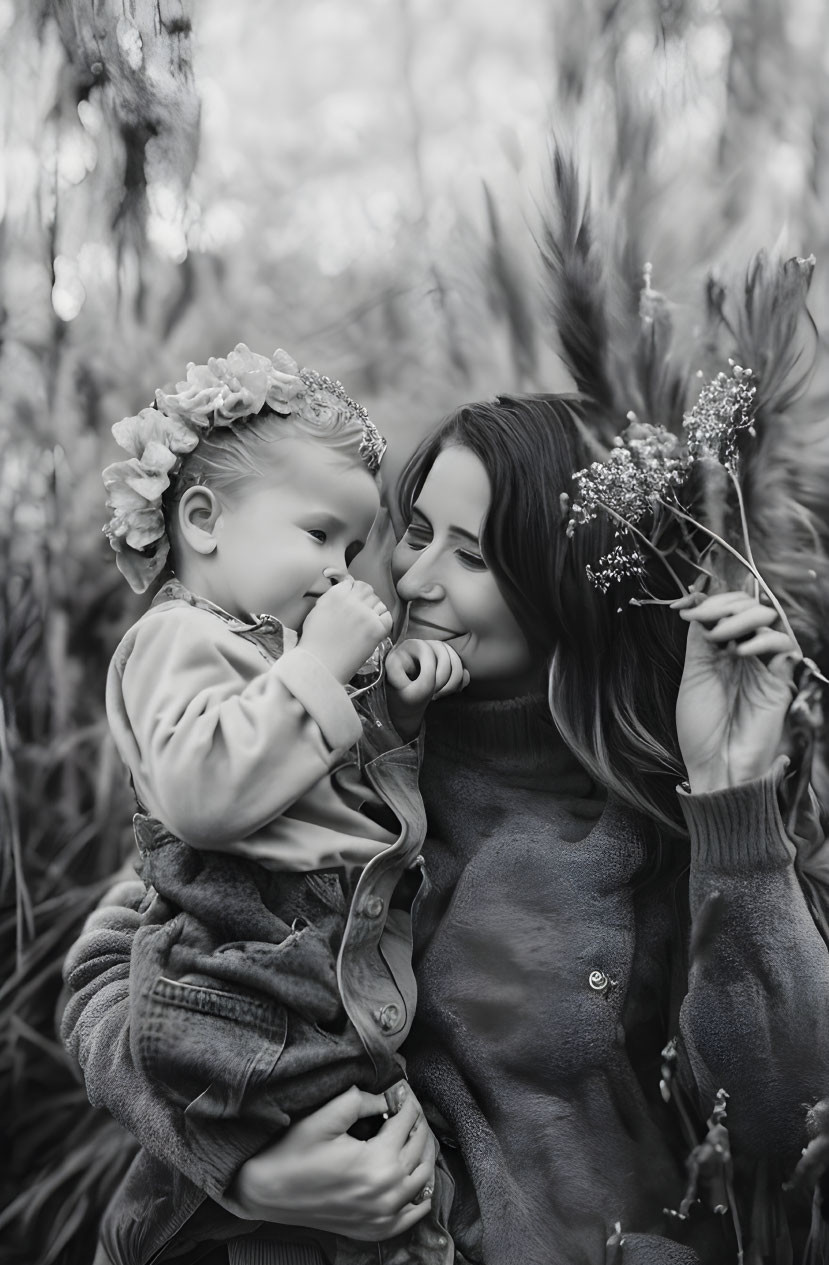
715 606
418 1144
422 1177
749 620
397 1128
767 641
738 616
404 1220
338 1115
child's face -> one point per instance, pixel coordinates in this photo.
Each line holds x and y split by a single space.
311 511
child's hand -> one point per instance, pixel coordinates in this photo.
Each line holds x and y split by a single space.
732 703
345 627
417 672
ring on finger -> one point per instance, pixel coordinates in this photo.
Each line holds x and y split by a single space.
426 1193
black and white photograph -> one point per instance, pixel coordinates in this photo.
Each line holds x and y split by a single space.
414 630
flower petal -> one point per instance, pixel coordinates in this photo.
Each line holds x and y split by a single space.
141 569
150 426
284 364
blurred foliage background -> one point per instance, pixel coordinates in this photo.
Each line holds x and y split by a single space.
363 184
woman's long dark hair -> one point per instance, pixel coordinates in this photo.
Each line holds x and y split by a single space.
614 668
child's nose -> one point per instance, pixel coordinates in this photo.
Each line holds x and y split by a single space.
335 572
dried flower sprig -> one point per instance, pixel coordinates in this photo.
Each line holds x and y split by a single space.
619 563
642 480
725 407
645 466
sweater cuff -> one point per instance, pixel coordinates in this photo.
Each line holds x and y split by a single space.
739 828
323 697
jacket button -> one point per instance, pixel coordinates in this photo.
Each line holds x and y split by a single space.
374 906
601 982
388 1017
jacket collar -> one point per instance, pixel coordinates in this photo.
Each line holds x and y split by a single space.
174 591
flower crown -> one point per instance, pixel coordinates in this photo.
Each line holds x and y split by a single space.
218 394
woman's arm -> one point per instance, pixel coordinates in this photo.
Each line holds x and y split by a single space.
755 1020
95 1027
346 1183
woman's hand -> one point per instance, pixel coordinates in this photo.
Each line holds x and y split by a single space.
320 1177
732 704
416 673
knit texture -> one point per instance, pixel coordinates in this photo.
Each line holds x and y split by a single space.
528 943
556 954
265 1251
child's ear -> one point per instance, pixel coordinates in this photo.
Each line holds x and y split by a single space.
199 510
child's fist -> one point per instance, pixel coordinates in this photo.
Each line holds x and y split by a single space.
416 673
345 627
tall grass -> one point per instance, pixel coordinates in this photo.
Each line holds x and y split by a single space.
65 817
446 317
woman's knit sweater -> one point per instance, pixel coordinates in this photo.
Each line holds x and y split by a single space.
551 969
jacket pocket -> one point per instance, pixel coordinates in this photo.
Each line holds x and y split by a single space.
214 1051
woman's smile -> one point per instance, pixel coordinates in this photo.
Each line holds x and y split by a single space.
420 622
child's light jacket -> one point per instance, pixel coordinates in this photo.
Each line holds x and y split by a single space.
231 997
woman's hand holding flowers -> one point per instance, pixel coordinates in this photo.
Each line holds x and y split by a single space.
736 689
417 672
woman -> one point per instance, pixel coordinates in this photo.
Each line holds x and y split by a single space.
554 963
555 940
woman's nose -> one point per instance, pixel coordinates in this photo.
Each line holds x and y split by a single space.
419 583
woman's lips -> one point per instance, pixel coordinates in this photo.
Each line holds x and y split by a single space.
425 623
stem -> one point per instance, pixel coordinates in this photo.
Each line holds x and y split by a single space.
641 535
696 565
744 522
750 567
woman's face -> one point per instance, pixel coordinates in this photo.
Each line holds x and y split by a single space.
453 596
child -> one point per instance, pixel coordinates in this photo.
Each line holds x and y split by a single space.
280 819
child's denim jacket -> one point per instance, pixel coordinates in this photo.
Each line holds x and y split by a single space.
253 997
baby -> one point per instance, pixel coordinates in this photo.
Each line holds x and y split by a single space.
280 821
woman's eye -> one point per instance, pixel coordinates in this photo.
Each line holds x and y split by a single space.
473 561
321 536
416 537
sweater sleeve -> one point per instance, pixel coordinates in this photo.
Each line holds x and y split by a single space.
219 743
95 1027
755 1020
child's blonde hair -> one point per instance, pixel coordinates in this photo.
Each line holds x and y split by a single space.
227 459
212 429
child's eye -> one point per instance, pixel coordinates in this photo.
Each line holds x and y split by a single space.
473 561
321 536
417 537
